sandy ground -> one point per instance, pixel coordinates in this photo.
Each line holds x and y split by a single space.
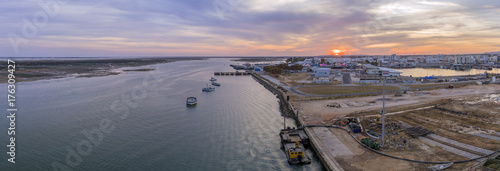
340 146
317 112
352 156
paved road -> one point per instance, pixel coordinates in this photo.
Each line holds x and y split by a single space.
277 82
449 149
459 144
488 136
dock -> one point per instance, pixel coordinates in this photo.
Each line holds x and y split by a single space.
293 135
232 73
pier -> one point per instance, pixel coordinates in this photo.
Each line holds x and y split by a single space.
232 73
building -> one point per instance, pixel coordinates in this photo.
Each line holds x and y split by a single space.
321 80
464 59
375 75
321 72
371 70
386 72
493 59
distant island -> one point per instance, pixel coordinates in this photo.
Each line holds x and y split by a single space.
31 70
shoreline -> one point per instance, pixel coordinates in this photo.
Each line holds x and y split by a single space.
287 109
33 70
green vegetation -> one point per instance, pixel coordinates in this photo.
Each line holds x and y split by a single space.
431 85
493 163
369 142
273 69
330 90
295 59
278 69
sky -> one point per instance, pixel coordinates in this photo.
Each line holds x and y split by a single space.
93 28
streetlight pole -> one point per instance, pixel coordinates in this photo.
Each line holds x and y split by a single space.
383 112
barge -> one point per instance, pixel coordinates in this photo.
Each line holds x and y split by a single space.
293 141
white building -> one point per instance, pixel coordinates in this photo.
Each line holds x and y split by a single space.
321 80
493 59
370 69
322 72
464 60
386 72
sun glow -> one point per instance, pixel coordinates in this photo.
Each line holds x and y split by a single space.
336 51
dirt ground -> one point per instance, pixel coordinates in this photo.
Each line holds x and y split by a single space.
320 112
363 159
462 113
297 79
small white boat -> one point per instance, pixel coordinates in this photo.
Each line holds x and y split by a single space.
213 79
440 167
372 134
215 83
191 101
208 89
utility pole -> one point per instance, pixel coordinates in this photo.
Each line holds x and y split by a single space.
284 122
383 112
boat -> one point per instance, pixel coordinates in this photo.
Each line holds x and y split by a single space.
191 101
293 141
296 154
215 83
372 134
441 166
213 79
355 127
208 89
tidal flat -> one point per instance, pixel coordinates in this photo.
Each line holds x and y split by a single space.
31 70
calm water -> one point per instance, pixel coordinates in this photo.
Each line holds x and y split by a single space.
422 72
234 128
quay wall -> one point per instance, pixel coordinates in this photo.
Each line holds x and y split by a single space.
288 110
285 107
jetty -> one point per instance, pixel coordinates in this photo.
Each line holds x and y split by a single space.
232 73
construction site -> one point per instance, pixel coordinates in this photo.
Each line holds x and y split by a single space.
422 129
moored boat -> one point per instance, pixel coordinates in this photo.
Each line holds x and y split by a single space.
293 141
191 101
355 127
215 84
441 166
372 134
208 89
213 79
296 154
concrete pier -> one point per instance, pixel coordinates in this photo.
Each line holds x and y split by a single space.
232 73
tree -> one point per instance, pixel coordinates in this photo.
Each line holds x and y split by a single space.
296 67
295 59
273 69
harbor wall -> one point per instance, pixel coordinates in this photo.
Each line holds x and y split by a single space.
285 107
288 110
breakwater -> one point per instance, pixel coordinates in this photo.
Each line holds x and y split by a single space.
285 107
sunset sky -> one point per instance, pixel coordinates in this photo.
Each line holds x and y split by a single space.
247 27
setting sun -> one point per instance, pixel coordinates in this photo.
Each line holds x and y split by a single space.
336 51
